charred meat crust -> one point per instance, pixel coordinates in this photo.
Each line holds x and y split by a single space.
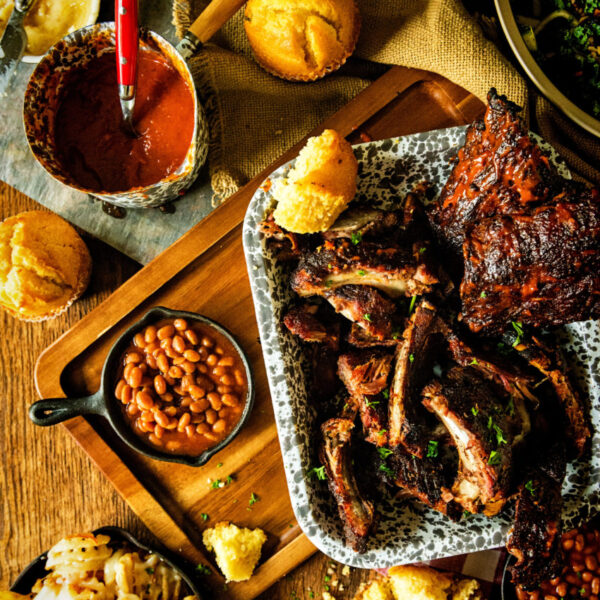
407 419
306 322
359 338
356 513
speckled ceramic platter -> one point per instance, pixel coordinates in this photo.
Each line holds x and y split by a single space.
408 531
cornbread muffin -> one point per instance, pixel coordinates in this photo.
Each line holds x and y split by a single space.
302 39
237 550
44 265
419 583
319 187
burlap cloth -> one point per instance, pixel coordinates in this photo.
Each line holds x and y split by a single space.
254 117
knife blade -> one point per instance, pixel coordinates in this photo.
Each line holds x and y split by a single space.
13 43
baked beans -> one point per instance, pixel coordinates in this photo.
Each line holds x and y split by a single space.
182 385
580 577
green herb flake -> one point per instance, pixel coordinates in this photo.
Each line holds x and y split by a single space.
356 238
367 317
474 362
386 394
204 516
253 499
483 295
361 272
202 569
328 283
411 306
495 459
466 514
475 410
432 449
422 249
490 423
500 439
518 327
510 409
327 578
220 465
395 335
318 472
386 470
529 487
371 403
311 594
229 479
326 588
330 266
215 484
382 432
384 452
411 357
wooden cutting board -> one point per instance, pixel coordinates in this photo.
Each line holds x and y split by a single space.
204 271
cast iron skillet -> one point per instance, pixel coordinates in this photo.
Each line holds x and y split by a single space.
105 404
37 568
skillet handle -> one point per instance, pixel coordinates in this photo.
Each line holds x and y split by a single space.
57 410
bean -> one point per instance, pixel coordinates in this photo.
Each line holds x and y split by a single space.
153 349
184 421
135 377
219 426
209 435
174 445
154 440
226 361
196 392
168 397
239 377
594 597
595 585
162 362
164 332
190 430
199 405
178 360
591 562
159 431
144 400
211 416
132 409
191 355
590 549
185 402
219 371
198 418
127 394
579 542
138 340
522 594
179 344
133 357
202 368
587 576
180 324
216 403
147 416
160 385
171 411
568 544
188 367
151 362
161 418
572 579
224 412
578 567
207 342
191 336
150 334
561 590
202 428
187 381
219 350
175 372
178 389
127 370
166 343
227 380
535 595
119 388
172 424
229 399
224 389
212 360
550 597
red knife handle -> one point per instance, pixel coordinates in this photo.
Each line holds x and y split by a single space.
126 31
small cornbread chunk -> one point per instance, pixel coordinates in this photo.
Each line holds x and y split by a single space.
44 265
377 589
319 187
236 550
301 40
423 583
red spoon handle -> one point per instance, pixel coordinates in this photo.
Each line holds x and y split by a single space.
126 24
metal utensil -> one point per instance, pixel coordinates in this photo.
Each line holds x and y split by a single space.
13 43
126 34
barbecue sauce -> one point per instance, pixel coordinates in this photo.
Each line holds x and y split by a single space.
91 140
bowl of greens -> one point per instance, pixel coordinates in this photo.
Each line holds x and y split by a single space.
557 42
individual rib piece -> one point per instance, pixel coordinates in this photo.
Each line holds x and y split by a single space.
386 266
304 322
534 538
499 170
423 479
356 223
541 268
285 245
486 426
366 307
359 338
356 513
421 341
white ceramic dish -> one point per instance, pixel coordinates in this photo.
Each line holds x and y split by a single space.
408 531
535 72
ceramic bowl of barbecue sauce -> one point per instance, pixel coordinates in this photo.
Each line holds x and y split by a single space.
74 125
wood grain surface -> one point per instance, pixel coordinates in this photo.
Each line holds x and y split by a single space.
48 485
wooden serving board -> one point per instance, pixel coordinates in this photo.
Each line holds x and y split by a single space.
205 272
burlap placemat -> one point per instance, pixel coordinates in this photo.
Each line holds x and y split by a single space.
254 117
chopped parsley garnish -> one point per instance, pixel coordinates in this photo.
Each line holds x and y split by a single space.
150 570
384 452
330 266
328 283
386 469
318 472
311 594
495 459
361 272
475 410
395 335
432 449
483 295
326 588
228 480
327 578
220 465
411 357
510 409
253 499
474 362
518 327
215 484
370 403
466 514
490 423
204 516
386 393
529 487
382 432
367 317
422 249
356 238
413 301
202 569
500 439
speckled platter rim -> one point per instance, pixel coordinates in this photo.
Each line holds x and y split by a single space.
408 531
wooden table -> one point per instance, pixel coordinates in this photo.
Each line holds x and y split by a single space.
48 486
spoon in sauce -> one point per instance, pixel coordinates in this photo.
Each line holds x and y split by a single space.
126 33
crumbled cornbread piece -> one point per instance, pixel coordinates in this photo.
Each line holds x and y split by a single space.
319 187
378 589
237 550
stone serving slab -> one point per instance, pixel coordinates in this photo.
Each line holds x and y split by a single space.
142 234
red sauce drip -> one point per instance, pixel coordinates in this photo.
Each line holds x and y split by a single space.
90 137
